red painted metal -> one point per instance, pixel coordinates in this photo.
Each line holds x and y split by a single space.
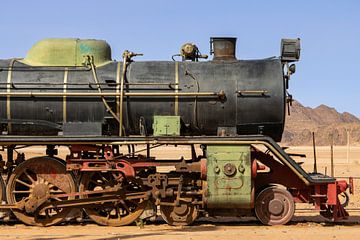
254 168
332 197
278 174
317 197
203 169
342 185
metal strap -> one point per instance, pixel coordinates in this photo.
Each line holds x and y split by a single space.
117 92
176 88
66 72
122 95
8 90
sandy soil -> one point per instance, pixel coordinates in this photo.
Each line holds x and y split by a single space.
201 231
305 225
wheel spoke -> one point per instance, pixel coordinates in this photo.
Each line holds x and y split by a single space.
57 199
23 183
102 178
125 206
118 212
28 176
56 191
47 215
21 191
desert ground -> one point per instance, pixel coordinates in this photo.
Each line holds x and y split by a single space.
305 225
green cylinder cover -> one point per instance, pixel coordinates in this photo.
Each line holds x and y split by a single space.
229 177
67 52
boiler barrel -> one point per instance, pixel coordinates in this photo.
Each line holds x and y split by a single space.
254 102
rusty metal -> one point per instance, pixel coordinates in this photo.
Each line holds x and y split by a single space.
2 187
93 201
30 186
223 48
189 51
274 206
159 183
180 215
203 169
229 169
88 165
119 211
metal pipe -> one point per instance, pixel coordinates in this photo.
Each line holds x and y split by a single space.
87 84
125 94
252 91
347 145
314 147
332 155
122 81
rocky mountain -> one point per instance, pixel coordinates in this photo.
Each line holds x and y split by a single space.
324 121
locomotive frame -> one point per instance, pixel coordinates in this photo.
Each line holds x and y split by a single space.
284 179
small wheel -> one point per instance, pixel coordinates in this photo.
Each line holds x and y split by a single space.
182 215
328 211
111 214
274 206
344 199
37 178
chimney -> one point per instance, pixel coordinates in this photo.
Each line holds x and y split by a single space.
223 48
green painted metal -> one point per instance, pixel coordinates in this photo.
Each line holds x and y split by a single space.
226 190
67 52
166 126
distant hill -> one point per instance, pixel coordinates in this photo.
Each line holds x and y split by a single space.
322 120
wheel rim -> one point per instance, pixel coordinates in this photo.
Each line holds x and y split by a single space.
120 213
182 215
2 189
274 206
344 199
36 177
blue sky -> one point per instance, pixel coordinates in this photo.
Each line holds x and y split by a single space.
329 31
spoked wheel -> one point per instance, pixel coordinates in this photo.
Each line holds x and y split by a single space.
32 182
182 215
274 206
2 196
123 212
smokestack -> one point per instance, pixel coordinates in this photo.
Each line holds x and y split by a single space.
223 48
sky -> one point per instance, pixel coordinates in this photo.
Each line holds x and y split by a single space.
329 30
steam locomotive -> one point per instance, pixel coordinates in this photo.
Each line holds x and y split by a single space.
225 115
